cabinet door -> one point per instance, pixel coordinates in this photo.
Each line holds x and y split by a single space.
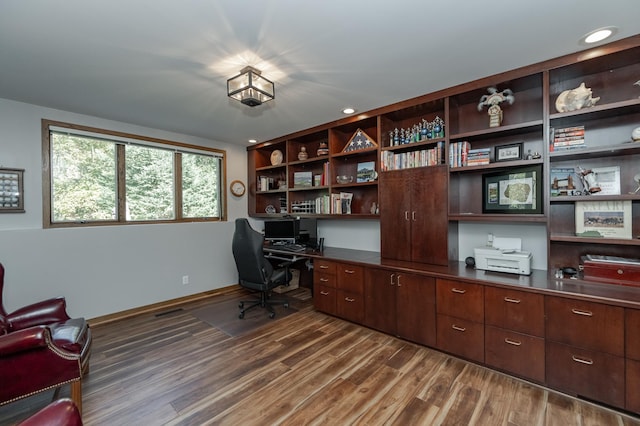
588 373
380 300
429 220
395 215
416 309
632 327
633 386
586 325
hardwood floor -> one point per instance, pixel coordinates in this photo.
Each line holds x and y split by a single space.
305 368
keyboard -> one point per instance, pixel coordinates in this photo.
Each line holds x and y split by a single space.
296 248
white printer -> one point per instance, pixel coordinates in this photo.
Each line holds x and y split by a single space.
504 256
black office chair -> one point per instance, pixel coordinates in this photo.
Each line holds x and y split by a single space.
255 272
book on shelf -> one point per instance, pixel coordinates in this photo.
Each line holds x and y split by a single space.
265 183
567 138
390 160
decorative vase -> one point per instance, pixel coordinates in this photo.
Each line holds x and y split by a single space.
302 155
323 149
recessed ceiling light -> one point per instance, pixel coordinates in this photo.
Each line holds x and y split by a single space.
252 141
598 35
348 110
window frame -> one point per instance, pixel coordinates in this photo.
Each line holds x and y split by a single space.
121 138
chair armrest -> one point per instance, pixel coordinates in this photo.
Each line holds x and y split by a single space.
44 312
24 340
60 412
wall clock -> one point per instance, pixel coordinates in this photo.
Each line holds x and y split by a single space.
237 188
276 157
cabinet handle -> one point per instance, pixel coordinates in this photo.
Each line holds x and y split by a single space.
413 216
391 279
324 280
324 293
510 300
349 271
398 280
579 312
324 267
459 291
512 342
581 360
406 215
348 299
455 327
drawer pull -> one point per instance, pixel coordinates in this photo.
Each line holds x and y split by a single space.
510 300
459 291
324 280
349 271
581 360
324 267
455 327
391 279
398 281
512 342
348 299
584 313
324 293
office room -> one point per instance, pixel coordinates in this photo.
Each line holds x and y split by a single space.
476 213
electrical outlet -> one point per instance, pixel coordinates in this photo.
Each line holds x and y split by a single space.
185 279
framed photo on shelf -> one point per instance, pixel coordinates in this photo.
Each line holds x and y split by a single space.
366 172
513 191
608 179
11 191
508 152
606 219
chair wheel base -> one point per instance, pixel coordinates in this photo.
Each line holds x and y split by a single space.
272 315
241 315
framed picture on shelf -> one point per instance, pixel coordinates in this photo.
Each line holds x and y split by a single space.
513 191
608 179
606 219
509 152
366 172
11 191
302 179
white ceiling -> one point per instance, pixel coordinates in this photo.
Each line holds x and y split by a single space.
164 63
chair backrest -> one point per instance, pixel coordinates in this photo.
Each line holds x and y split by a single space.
248 253
4 327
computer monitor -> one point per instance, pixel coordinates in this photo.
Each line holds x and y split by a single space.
284 230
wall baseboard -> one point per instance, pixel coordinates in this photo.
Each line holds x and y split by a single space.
106 319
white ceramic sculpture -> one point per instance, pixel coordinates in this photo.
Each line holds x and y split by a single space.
635 134
574 99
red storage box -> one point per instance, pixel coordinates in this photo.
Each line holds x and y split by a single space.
612 269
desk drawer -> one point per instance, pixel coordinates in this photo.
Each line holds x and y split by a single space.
514 310
461 300
324 299
460 337
586 325
323 278
515 353
350 278
324 266
350 306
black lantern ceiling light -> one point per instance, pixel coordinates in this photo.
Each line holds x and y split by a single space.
250 88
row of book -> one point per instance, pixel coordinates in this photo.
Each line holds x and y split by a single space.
567 138
334 203
462 155
390 160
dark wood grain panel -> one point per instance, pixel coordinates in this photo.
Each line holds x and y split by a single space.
458 299
514 310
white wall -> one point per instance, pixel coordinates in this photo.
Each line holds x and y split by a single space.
107 269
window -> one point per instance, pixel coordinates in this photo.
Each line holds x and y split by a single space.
97 177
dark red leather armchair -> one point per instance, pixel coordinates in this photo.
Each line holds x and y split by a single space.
62 412
42 348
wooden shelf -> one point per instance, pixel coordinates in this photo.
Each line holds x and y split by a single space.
569 238
475 217
500 131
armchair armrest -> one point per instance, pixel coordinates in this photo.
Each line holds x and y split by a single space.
44 312
60 412
24 340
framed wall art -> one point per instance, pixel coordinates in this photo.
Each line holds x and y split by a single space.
509 152
606 219
11 191
513 191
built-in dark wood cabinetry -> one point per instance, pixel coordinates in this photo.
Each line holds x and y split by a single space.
420 170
